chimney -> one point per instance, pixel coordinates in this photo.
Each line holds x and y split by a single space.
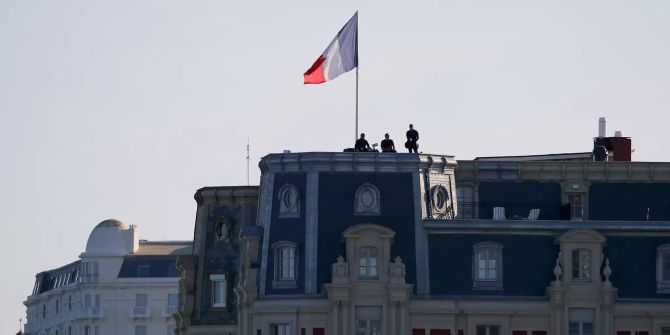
618 148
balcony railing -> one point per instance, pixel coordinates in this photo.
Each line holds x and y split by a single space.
169 311
94 312
140 312
514 210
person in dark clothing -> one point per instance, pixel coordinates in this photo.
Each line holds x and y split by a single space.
362 145
387 144
412 139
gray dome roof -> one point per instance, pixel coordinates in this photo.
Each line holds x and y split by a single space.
110 238
111 223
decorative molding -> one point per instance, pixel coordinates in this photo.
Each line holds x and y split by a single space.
367 200
289 201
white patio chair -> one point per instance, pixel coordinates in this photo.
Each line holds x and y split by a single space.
498 213
533 214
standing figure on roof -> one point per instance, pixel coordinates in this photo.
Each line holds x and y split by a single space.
387 144
362 144
412 139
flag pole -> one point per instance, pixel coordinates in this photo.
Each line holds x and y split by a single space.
356 133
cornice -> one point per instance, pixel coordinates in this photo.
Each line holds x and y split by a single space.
355 162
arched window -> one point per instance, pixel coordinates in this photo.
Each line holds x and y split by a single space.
663 268
289 201
285 264
487 265
581 265
367 200
368 263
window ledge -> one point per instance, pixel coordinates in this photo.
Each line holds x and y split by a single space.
284 284
487 285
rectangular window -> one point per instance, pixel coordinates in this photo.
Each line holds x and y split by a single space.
90 272
368 320
466 205
140 330
173 299
219 290
143 271
581 265
581 322
368 262
576 201
96 330
279 329
141 300
287 263
488 330
665 330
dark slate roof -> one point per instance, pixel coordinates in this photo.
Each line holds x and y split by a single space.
149 266
52 279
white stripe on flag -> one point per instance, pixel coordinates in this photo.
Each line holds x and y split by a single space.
333 66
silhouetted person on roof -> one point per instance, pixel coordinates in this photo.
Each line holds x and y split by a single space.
387 144
412 139
361 144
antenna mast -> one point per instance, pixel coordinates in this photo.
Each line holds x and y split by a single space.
247 161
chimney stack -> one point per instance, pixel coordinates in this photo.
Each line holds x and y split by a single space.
616 148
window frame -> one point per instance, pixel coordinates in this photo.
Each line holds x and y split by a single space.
280 268
487 329
371 253
662 256
275 328
583 276
219 279
580 317
487 283
465 209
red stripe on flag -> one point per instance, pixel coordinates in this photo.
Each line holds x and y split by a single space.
315 73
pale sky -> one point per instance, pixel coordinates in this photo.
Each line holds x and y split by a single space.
123 109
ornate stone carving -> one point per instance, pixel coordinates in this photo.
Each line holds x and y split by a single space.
607 272
440 203
397 271
340 270
367 200
289 201
586 264
558 271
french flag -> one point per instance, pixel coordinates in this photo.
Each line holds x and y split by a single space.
340 56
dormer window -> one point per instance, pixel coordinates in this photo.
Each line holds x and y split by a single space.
581 265
143 271
367 263
285 264
487 266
